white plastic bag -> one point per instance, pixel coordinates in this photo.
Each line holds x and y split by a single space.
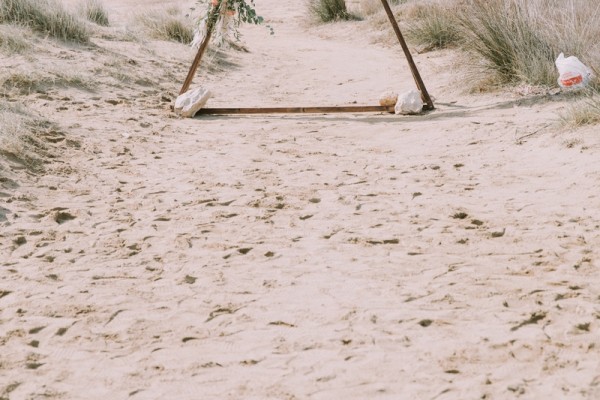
573 73
409 103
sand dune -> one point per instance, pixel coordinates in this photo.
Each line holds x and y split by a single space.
445 256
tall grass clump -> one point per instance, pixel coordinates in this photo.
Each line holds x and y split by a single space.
26 138
42 80
520 39
584 112
509 37
167 25
45 16
437 27
12 40
574 27
330 10
94 11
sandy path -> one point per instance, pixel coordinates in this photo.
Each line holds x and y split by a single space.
302 257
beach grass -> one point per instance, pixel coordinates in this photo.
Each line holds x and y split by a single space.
47 17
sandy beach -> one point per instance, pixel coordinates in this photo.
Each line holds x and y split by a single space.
451 255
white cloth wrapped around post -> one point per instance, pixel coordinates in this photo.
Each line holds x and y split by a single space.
189 103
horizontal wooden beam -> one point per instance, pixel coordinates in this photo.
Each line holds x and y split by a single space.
295 110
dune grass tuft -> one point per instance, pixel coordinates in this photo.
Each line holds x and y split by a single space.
94 11
330 10
167 25
40 81
505 34
520 40
584 112
25 138
436 27
45 16
508 41
13 40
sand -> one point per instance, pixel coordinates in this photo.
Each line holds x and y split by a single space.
447 256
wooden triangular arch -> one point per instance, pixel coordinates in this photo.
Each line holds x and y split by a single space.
428 103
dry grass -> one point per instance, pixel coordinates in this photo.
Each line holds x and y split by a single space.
168 24
45 16
370 7
506 41
408 14
26 139
330 10
520 40
584 112
30 82
434 26
94 11
13 40
508 36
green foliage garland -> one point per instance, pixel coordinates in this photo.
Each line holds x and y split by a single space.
224 17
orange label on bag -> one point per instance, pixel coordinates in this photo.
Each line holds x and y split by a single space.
568 79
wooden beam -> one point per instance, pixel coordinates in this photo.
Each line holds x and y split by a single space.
307 110
203 46
295 110
413 67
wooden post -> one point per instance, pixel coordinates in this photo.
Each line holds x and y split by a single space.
209 28
413 67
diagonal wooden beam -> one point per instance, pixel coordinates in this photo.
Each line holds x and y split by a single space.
413 67
287 110
203 46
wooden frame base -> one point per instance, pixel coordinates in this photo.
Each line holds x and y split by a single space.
309 110
294 110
